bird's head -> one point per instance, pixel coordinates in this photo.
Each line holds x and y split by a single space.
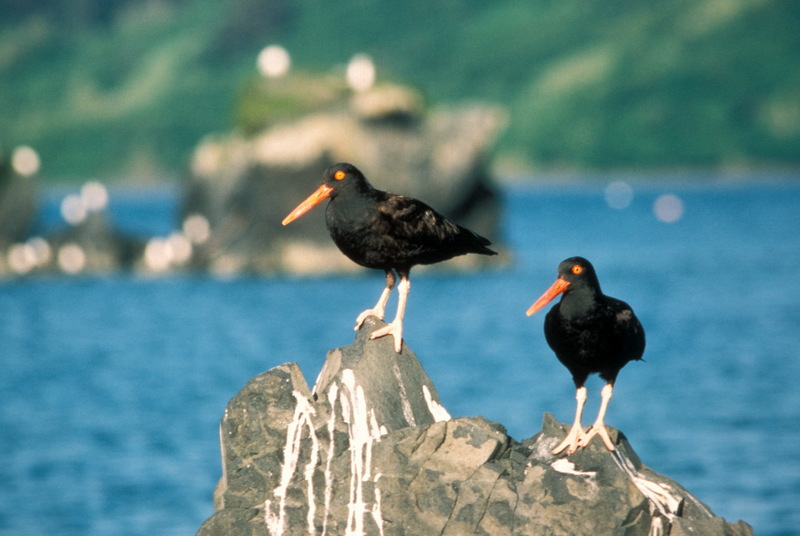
573 273
337 177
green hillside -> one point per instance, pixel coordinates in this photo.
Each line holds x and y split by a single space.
127 87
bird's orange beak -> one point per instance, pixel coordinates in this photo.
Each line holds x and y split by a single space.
558 287
322 193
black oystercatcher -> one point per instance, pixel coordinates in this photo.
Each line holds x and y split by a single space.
589 332
387 232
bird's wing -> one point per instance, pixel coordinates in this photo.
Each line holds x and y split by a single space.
628 329
409 219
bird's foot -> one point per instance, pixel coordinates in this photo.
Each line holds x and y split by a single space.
395 329
363 316
572 442
598 429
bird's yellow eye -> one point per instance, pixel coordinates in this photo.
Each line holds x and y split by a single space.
577 269
339 175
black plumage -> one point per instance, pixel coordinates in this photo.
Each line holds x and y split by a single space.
589 333
388 232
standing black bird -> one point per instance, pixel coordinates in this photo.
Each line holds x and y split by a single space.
589 332
388 232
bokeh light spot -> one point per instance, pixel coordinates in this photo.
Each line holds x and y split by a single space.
41 250
25 161
71 258
180 248
94 196
197 228
20 258
668 208
157 255
618 194
273 61
360 72
73 209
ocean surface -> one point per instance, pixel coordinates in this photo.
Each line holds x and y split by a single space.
113 387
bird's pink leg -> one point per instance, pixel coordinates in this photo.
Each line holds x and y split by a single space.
380 307
599 427
576 432
395 328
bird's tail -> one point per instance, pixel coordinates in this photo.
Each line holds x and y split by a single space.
478 243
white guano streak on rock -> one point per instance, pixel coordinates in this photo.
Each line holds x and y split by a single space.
363 430
437 410
332 394
661 496
658 493
291 455
408 413
376 508
563 465
223 451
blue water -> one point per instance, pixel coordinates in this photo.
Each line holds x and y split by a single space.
113 387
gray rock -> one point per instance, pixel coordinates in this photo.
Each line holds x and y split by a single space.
370 450
105 248
17 203
88 244
17 212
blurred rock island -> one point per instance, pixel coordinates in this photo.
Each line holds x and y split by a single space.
242 184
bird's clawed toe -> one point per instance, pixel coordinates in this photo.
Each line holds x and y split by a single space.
599 430
577 438
571 443
396 330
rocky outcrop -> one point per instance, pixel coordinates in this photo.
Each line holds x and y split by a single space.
17 208
17 202
370 450
243 185
88 242
93 245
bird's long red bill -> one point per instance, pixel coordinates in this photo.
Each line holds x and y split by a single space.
557 288
322 193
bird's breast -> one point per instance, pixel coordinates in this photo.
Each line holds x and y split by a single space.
357 234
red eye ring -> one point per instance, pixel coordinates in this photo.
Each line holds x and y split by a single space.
339 175
577 269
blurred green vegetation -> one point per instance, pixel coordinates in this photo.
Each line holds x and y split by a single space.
262 102
126 88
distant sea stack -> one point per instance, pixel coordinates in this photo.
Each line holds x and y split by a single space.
370 450
17 201
243 183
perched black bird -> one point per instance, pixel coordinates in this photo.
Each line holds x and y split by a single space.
589 332
388 232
